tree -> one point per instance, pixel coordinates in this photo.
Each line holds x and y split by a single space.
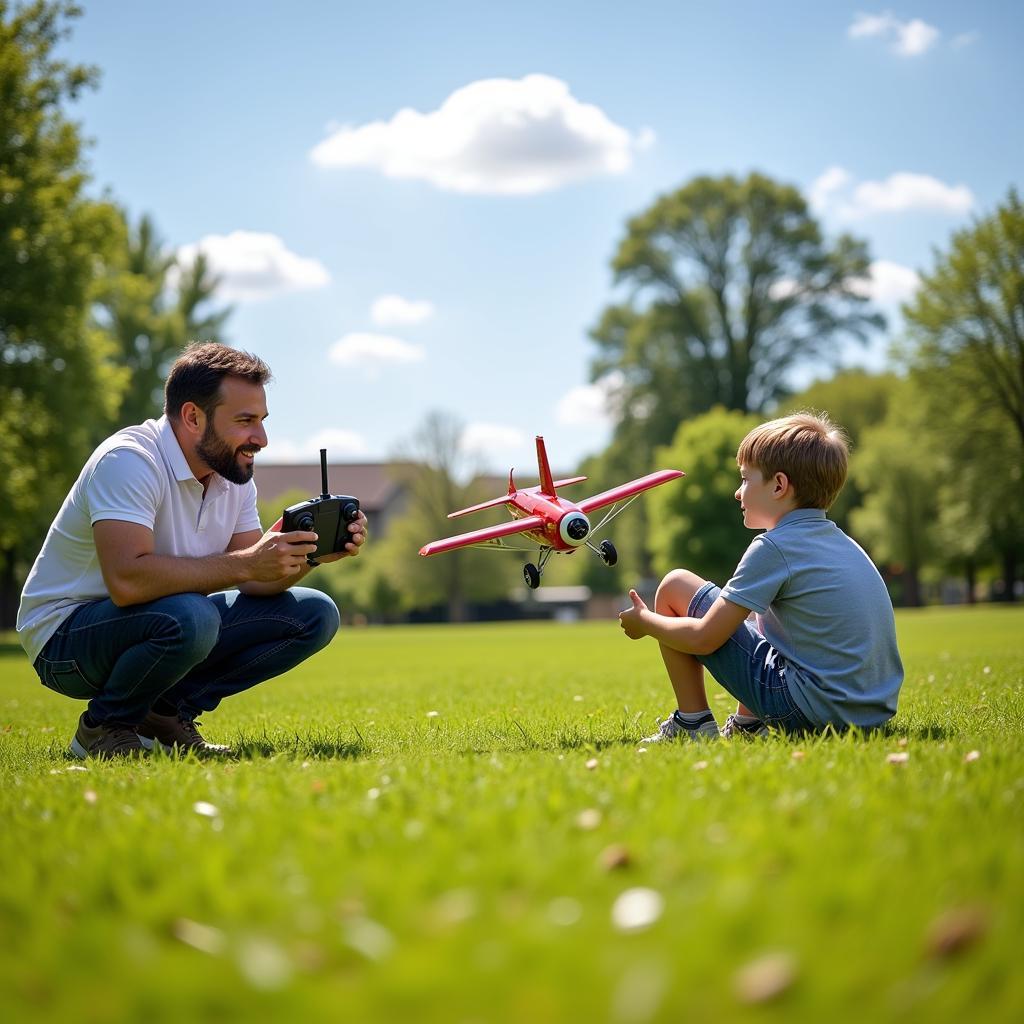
731 285
58 381
898 468
854 400
153 307
439 481
696 523
966 325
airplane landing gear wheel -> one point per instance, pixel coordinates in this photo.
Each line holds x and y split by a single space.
608 553
531 575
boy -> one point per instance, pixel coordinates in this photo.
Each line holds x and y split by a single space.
822 650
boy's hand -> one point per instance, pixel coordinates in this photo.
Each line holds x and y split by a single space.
632 619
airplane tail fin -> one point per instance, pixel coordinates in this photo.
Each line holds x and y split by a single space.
547 483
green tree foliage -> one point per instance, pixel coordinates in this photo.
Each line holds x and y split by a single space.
899 469
152 307
59 385
731 284
966 326
697 523
854 400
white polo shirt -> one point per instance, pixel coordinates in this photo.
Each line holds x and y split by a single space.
139 475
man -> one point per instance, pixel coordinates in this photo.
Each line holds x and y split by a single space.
156 594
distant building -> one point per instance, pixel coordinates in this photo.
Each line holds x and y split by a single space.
378 485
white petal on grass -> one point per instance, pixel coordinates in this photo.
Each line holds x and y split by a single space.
207 810
636 909
564 911
368 938
264 963
396 311
591 764
496 136
972 755
901 758
588 819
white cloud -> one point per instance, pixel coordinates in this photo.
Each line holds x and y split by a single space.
496 136
904 191
908 38
589 404
831 181
394 311
891 283
340 444
486 438
964 39
255 265
372 352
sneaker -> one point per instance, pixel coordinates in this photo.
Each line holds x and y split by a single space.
106 740
176 732
737 725
676 727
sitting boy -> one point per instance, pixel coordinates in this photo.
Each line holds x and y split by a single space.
822 649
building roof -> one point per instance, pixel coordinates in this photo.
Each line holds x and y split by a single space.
373 483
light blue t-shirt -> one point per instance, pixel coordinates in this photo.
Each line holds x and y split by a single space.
822 605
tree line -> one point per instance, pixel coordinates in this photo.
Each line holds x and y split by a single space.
722 287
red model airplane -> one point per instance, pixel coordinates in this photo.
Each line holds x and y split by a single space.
551 522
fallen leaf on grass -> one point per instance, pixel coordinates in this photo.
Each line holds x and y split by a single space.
765 978
956 930
203 937
614 857
699 766
798 755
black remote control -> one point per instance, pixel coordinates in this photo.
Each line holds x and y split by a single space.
328 516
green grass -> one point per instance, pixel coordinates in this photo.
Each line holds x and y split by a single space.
370 860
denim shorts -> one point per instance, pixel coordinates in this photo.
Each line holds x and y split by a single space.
750 669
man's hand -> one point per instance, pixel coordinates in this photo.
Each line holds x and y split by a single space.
358 537
632 619
276 556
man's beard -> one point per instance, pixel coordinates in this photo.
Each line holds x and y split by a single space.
222 458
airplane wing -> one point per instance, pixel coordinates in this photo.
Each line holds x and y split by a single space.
634 487
488 533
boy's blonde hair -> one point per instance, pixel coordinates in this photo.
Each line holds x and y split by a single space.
808 447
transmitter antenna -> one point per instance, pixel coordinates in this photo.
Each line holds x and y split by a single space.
323 473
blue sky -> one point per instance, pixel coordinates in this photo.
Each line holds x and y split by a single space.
489 210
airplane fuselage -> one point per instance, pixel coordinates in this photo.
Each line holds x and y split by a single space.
565 527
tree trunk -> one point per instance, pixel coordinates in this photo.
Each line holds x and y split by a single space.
911 588
1009 573
9 593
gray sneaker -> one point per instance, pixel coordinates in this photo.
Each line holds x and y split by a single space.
106 740
176 732
675 727
734 727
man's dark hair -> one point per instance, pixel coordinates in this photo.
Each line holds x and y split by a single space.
198 371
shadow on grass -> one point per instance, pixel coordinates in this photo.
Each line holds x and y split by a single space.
11 647
921 732
323 746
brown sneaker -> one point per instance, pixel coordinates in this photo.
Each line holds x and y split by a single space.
106 740
176 732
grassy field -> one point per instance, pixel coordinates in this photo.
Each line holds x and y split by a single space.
460 825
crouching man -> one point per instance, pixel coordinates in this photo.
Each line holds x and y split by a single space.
156 593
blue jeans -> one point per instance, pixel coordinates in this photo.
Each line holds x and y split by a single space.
750 669
187 651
